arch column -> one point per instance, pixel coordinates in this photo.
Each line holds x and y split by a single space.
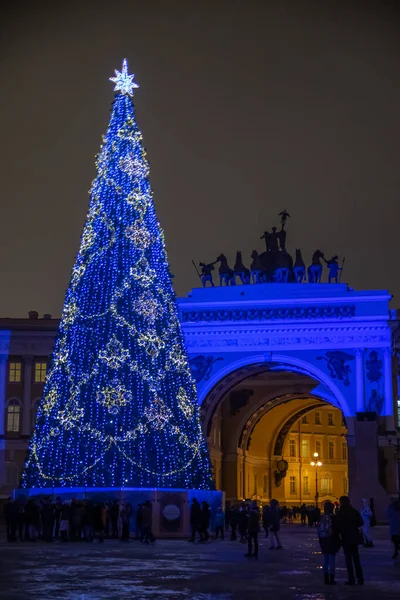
360 381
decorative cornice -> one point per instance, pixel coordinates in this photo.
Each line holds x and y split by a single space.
321 337
269 314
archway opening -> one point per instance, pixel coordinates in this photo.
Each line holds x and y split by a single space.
263 433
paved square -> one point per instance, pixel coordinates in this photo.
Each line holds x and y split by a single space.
177 570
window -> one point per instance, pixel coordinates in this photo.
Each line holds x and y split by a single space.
344 451
292 485
306 485
326 485
345 486
330 419
317 418
12 475
40 372
292 448
331 450
304 420
304 448
13 416
318 448
14 372
265 484
398 413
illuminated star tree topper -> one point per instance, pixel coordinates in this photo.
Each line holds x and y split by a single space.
123 81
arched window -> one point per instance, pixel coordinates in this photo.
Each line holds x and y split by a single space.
13 416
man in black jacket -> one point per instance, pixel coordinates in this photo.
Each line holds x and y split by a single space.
350 521
195 520
253 528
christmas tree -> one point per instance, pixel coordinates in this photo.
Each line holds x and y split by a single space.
119 406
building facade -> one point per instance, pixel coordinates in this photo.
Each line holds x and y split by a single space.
269 361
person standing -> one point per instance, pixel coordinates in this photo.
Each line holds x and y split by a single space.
147 534
350 521
125 514
219 523
64 522
266 518
329 540
393 515
114 513
205 519
275 522
366 515
48 520
242 522
253 528
303 514
233 521
195 520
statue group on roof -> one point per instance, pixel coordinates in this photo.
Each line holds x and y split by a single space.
275 265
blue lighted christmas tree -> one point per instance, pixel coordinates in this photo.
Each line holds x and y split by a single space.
119 407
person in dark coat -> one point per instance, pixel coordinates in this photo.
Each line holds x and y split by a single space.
275 524
114 512
98 521
48 521
303 514
125 514
205 519
147 534
11 515
139 521
253 528
350 521
233 521
57 517
329 540
266 518
195 521
242 522
393 515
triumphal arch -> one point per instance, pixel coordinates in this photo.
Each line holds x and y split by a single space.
283 370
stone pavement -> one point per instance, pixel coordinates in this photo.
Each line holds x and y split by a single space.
177 570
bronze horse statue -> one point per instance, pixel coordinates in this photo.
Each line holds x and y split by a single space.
240 270
315 269
256 268
299 268
226 274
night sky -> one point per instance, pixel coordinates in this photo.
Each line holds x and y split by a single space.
246 108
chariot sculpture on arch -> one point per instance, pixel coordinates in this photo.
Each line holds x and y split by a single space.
274 265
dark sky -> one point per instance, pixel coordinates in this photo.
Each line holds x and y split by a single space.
246 107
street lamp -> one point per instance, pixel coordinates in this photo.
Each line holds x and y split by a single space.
316 463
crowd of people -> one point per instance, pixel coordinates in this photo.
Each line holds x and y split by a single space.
340 525
76 520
